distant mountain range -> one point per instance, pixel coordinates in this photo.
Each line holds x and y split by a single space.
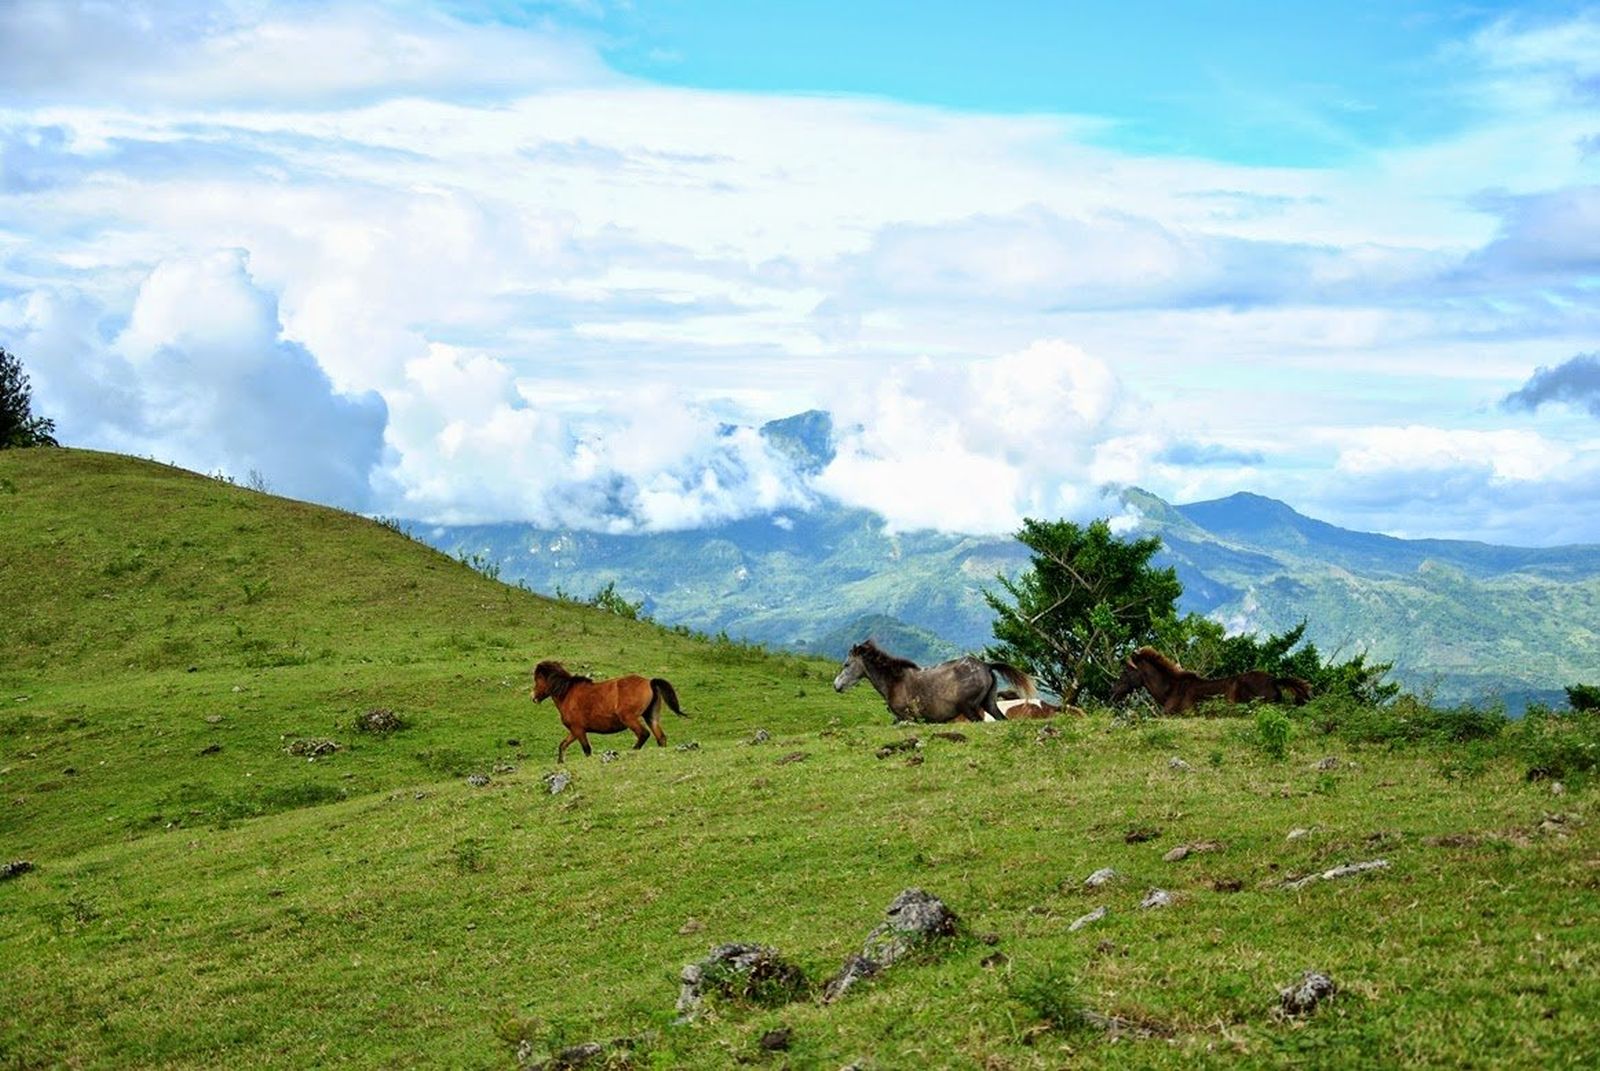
1463 620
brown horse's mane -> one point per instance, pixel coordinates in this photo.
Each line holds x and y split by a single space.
1167 665
560 680
877 658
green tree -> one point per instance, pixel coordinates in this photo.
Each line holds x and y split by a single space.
18 425
1583 696
1087 599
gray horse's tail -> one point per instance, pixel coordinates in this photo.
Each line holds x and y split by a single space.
1019 680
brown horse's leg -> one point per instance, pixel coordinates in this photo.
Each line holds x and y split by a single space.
583 741
561 751
652 714
641 735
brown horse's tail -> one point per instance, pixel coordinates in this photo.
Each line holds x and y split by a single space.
1298 689
1019 680
662 691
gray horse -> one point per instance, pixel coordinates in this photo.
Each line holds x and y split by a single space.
961 688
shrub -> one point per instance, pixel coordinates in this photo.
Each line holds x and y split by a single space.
1052 995
1272 733
1560 745
1584 696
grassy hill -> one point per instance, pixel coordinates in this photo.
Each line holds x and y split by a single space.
201 897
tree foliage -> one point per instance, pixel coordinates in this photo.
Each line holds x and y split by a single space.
1583 696
1087 599
18 426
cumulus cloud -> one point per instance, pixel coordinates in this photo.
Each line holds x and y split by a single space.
199 375
470 446
976 445
1575 382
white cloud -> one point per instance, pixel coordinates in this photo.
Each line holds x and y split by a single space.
201 377
562 283
244 51
977 445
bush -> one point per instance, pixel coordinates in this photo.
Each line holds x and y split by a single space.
1584 696
1408 720
1272 733
1052 995
1560 745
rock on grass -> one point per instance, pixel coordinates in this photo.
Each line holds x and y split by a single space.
1303 996
912 921
748 972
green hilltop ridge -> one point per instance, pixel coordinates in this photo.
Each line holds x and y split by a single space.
226 871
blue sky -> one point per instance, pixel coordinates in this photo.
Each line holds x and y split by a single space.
1259 82
480 261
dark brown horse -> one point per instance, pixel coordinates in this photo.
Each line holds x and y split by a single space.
963 686
589 706
1176 689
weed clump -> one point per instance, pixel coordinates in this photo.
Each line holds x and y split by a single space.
1052 996
1272 733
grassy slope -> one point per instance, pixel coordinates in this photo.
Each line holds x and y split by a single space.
379 911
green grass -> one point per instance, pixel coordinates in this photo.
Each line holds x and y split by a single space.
241 906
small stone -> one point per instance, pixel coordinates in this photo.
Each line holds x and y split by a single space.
688 745
1083 920
1303 996
1176 763
1046 732
691 925
1104 876
1180 852
312 748
14 869
1329 763
237 688
1557 788
558 782
379 720
610 755
910 743
477 780
213 719
504 768
760 736
776 1040
1297 833
1337 872
1156 898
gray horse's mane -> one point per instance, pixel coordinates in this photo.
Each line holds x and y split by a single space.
878 658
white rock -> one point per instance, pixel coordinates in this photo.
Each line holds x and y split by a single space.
1105 875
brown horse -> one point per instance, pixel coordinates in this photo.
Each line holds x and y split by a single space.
1176 689
589 706
963 686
